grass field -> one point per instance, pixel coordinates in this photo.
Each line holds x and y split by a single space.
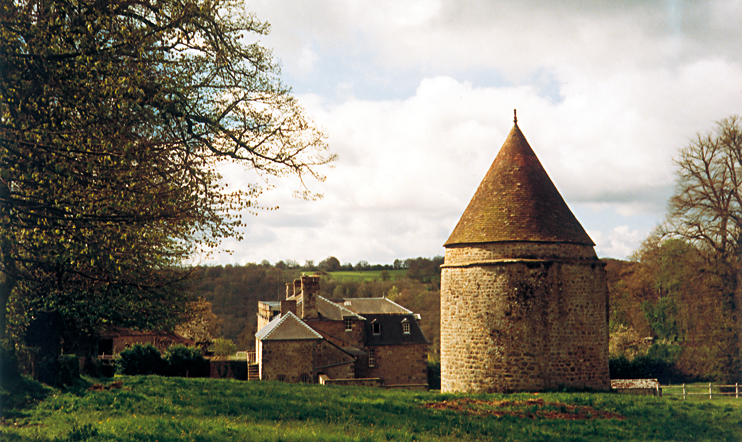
370 275
151 408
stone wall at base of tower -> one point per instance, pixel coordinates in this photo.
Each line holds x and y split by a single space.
523 317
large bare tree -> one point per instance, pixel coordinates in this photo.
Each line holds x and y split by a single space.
706 208
706 211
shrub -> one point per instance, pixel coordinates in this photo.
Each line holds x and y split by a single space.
659 361
9 373
140 359
186 362
625 342
224 347
434 375
57 371
69 369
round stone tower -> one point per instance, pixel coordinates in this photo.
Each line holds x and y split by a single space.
524 300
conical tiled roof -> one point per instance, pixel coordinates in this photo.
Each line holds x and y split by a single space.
517 201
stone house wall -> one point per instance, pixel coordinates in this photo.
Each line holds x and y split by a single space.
302 360
286 360
334 331
397 364
526 318
333 362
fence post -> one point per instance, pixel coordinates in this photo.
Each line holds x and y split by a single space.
709 391
683 391
736 390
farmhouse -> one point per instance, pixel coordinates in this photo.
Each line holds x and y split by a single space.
524 299
308 338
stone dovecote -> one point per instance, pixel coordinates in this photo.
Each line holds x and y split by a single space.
523 296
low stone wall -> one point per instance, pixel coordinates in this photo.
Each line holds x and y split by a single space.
639 387
228 369
423 387
364 382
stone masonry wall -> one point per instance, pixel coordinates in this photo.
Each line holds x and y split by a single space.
286 360
524 318
333 362
397 364
334 331
289 360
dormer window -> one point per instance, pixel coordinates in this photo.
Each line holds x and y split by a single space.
406 328
348 324
376 328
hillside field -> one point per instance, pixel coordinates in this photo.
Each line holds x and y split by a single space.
366 275
151 408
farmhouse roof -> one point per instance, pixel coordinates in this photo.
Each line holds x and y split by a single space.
367 306
517 201
329 309
287 327
391 331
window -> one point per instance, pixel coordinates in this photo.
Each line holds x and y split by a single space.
406 328
305 379
281 378
348 324
371 358
376 327
105 347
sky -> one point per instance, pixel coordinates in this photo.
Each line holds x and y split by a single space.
416 98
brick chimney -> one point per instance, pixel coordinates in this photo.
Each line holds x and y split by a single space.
309 290
288 306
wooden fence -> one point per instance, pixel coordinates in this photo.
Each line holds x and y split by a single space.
701 391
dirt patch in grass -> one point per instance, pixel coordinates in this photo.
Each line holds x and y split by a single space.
112 386
527 409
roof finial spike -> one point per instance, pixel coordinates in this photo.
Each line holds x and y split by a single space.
515 116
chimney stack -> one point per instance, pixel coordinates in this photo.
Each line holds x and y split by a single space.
309 290
288 306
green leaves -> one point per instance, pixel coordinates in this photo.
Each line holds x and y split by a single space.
114 119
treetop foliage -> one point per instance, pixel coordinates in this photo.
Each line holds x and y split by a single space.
115 117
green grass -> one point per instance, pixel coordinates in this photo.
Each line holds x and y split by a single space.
151 408
370 275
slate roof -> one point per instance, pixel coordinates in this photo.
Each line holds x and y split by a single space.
517 201
331 310
287 327
392 332
367 306
328 309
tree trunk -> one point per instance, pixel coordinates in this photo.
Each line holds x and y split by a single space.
6 287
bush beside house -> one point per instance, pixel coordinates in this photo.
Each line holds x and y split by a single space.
178 360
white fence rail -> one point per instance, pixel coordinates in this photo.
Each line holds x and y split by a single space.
701 391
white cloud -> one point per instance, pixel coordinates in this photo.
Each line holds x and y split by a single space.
620 242
605 92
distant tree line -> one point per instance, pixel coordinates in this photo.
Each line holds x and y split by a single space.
233 291
419 266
